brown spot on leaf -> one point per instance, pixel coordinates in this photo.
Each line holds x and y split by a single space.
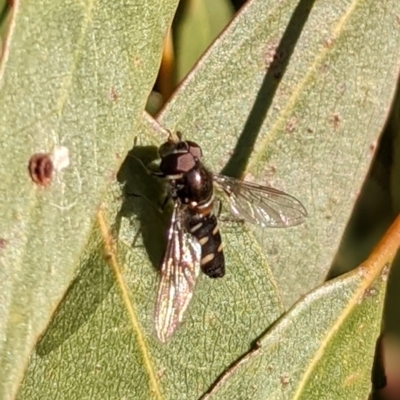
291 124
335 119
270 170
285 380
161 372
136 61
41 168
328 42
3 243
372 146
113 94
274 59
271 53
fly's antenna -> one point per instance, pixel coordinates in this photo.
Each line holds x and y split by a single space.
174 137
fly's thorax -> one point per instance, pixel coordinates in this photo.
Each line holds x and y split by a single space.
198 189
189 181
194 189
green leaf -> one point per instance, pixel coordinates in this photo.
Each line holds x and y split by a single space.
75 74
321 348
197 24
296 96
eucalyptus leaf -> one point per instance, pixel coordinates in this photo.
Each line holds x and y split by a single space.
295 94
341 321
197 24
74 74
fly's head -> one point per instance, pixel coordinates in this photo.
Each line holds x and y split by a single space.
178 156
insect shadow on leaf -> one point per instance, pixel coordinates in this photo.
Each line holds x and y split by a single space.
87 291
145 199
144 196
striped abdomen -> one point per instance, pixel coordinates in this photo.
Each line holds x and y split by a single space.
205 229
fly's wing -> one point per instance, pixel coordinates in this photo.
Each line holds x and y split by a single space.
261 205
179 270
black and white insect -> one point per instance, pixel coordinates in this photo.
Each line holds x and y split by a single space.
194 241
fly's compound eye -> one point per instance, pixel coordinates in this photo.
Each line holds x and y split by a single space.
195 150
176 163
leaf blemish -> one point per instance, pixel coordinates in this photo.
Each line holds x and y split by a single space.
41 168
372 147
271 54
60 158
274 59
328 42
113 94
285 380
385 272
368 293
335 119
291 125
3 243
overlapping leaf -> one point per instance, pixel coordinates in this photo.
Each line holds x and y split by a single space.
341 321
299 91
76 74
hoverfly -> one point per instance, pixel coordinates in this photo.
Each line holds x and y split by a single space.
194 241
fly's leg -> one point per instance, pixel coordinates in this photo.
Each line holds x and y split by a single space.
165 202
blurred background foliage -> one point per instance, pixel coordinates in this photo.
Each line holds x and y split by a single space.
196 25
4 17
